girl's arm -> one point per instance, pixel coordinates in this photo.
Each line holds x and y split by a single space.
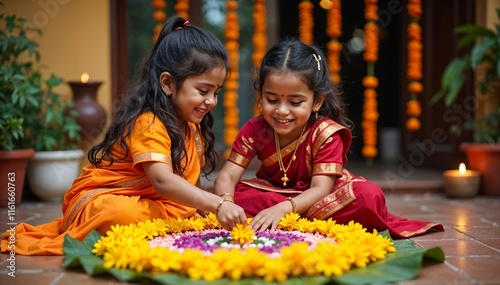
179 190
228 177
321 186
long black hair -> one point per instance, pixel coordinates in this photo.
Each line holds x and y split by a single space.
291 55
182 50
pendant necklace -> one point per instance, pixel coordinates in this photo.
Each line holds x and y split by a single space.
280 158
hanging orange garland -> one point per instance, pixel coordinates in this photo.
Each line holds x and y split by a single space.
414 65
259 41
181 8
159 16
334 31
370 82
232 35
306 21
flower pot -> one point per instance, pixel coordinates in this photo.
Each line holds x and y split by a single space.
51 173
12 172
91 117
485 158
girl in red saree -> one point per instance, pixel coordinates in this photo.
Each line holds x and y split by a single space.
301 140
149 162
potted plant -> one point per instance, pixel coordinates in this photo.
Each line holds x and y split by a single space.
483 58
54 134
19 88
31 114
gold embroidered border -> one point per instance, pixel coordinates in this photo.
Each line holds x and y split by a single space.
273 158
239 159
420 231
198 142
152 156
335 201
322 133
328 168
266 186
127 184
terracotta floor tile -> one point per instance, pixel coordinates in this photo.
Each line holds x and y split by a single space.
447 234
459 248
485 269
494 243
480 231
29 278
29 263
439 274
471 240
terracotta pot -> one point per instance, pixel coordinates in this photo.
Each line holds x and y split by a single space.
12 172
485 158
91 117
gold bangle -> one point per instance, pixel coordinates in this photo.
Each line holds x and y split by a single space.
294 206
220 205
227 194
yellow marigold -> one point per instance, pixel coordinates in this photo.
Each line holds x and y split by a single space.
242 234
289 221
165 260
295 254
275 269
231 262
413 124
334 263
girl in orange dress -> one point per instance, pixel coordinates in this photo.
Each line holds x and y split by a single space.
301 140
149 162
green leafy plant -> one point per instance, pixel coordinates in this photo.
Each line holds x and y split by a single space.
485 50
32 115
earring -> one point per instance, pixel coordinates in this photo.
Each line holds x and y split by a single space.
316 114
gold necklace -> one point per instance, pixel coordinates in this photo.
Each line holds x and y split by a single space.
280 158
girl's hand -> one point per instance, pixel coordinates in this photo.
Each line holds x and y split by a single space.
270 217
230 215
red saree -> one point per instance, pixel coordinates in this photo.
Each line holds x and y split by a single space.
322 151
116 194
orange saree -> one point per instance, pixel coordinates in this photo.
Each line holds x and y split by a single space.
118 194
322 151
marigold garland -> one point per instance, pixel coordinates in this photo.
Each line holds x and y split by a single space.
232 35
334 31
128 247
259 41
370 82
159 16
306 22
181 8
414 65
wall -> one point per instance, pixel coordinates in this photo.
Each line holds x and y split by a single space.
75 39
486 15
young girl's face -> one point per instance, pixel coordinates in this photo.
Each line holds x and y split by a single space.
287 103
198 94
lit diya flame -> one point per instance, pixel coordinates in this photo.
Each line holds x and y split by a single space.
85 77
461 169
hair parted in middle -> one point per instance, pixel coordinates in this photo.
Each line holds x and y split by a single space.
307 62
182 50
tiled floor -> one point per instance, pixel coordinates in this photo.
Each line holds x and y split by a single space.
471 241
